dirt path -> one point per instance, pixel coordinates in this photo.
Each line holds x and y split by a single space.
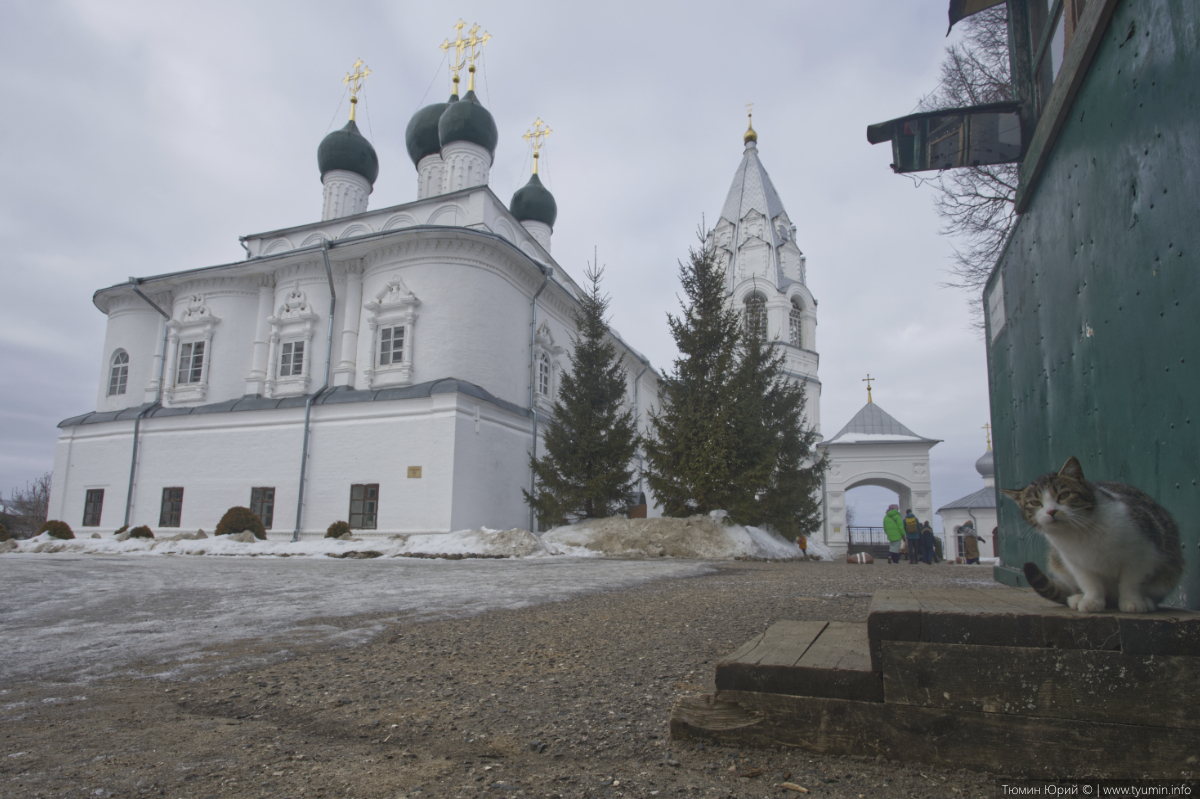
565 699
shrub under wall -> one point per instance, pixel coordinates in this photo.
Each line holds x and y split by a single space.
141 532
4 536
239 519
337 530
57 529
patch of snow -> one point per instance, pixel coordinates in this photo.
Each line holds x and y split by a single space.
698 537
867 438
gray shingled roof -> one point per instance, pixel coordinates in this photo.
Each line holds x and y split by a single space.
336 396
752 190
983 498
873 420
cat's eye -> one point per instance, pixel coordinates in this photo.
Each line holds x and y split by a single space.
1065 495
1035 503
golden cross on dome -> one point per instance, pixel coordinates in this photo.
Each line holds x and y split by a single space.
537 137
868 380
988 428
354 83
457 61
474 46
752 136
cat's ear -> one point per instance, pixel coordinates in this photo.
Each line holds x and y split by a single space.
1072 469
1011 493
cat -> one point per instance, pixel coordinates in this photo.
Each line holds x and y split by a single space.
1111 545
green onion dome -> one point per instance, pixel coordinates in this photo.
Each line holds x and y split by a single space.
421 136
349 150
534 202
468 120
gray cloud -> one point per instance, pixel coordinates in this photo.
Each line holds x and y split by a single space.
144 137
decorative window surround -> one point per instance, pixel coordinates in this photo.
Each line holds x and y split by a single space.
796 325
546 356
195 326
292 326
393 307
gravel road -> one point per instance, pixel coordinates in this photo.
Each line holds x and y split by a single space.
569 698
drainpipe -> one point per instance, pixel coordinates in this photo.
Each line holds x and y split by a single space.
308 403
137 422
637 413
532 386
825 512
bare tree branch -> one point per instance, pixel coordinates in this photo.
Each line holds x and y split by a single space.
976 204
26 509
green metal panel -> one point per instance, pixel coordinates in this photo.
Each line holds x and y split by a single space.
1098 352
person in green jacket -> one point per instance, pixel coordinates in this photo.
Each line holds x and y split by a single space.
893 527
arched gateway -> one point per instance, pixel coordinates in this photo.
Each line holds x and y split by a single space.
874 449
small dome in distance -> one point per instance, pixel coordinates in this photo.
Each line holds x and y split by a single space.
349 150
534 202
421 136
468 120
986 466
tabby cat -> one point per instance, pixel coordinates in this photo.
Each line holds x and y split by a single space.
1111 545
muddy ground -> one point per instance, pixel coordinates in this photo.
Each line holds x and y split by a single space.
567 699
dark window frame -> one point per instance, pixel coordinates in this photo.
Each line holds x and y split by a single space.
262 503
170 513
364 506
93 507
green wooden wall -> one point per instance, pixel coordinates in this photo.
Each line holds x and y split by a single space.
1098 353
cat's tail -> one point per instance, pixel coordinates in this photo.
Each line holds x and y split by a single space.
1046 586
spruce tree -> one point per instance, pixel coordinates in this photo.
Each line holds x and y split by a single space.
695 451
590 442
730 433
786 474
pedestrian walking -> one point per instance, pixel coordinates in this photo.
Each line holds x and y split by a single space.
970 543
893 527
927 539
912 536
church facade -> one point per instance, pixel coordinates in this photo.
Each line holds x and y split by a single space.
388 367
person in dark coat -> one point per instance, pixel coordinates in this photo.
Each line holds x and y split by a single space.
927 539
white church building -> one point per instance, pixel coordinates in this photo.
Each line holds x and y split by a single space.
388 367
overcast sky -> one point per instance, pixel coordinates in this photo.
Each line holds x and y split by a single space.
144 137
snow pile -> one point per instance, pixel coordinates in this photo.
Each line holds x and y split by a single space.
506 543
694 537
699 537
817 549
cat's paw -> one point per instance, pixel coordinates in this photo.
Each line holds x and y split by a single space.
1137 605
1084 604
1073 601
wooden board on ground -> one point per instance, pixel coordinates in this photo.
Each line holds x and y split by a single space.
1149 690
1011 745
805 659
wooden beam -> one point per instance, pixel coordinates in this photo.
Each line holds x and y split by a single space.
1148 690
1002 744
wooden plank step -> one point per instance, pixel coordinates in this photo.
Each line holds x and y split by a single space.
1088 685
1011 745
1020 618
829 659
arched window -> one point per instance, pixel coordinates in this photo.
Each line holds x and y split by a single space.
796 324
544 375
119 376
756 315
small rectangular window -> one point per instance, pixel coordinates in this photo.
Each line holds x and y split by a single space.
391 345
364 506
262 502
291 363
172 507
191 362
93 503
